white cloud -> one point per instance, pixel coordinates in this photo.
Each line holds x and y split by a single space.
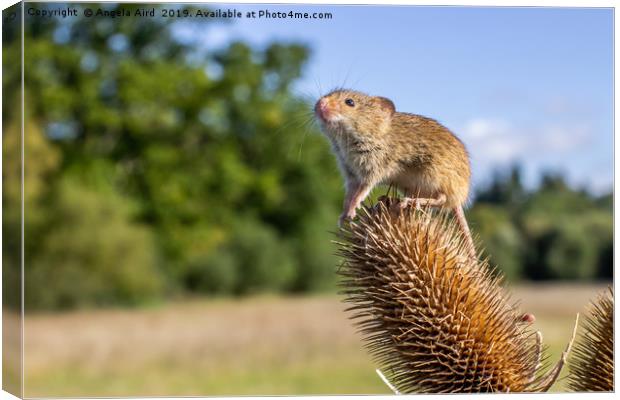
559 138
479 128
497 140
494 142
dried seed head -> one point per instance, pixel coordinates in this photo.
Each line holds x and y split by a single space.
592 365
435 320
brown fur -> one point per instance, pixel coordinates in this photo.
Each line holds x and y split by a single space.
375 145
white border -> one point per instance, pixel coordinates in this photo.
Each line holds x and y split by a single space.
475 3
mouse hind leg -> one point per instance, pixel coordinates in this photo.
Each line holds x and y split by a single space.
439 201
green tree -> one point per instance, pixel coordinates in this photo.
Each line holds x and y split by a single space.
550 232
502 241
506 188
207 167
91 253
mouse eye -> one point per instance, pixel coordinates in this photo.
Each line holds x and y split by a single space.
349 102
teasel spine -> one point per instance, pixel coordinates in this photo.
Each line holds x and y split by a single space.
433 318
591 367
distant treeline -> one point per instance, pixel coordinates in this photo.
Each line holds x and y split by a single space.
552 232
155 170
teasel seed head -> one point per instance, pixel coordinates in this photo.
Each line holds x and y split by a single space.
433 318
591 368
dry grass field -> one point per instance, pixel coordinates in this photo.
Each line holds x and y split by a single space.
262 346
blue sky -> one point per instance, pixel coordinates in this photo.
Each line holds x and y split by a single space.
533 85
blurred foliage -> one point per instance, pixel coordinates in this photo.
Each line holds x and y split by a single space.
152 174
499 237
98 254
553 232
157 169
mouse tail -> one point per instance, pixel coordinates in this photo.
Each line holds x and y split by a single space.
462 221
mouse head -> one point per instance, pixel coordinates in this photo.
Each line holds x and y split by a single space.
350 112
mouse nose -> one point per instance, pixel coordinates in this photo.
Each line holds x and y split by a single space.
320 108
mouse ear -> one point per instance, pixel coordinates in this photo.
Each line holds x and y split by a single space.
386 104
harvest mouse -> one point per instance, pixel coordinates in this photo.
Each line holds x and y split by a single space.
375 144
